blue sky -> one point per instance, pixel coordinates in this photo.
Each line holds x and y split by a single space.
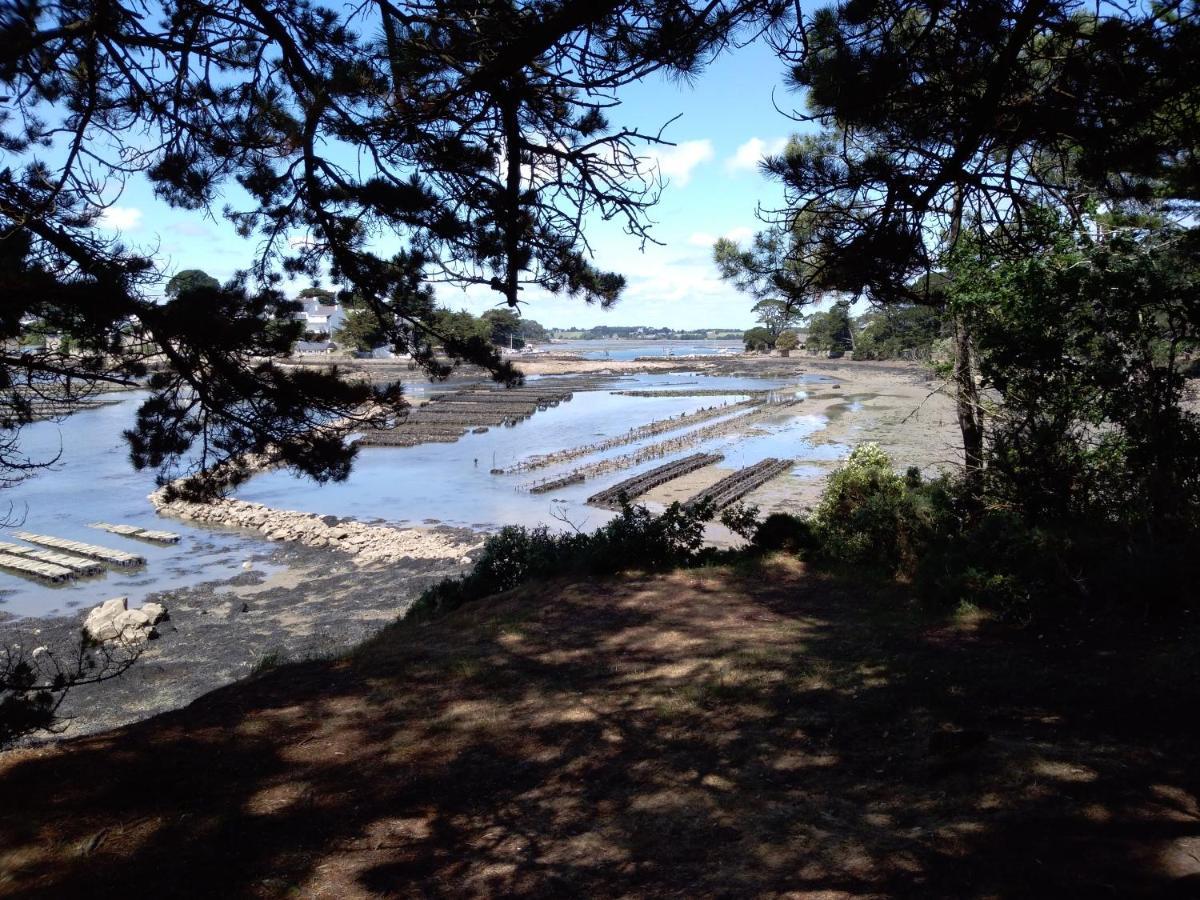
727 119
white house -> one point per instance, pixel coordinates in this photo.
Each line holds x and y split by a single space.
319 318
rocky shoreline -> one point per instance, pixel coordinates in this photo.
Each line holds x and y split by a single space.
329 584
366 543
292 602
326 583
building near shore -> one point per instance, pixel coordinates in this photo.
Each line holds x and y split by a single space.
314 348
320 318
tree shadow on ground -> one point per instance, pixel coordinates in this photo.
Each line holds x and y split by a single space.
705 733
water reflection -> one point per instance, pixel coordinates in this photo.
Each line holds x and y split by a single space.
94 481
451 483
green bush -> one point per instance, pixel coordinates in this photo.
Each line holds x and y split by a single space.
780 531
635 539
741 519
992 555
872 518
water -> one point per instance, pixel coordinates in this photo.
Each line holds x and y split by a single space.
633 349
448 483
452 484
94 481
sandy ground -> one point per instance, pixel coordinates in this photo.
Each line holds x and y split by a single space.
893 404
568 365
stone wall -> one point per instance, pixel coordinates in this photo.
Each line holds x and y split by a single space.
367 543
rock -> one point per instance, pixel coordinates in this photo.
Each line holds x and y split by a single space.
133 618
156 612
100 624
112 620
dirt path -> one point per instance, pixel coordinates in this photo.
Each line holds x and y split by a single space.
713 733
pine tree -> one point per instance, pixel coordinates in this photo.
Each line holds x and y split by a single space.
476 132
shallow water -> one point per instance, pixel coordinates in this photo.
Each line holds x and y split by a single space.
452 484
633 349
448 483
92 481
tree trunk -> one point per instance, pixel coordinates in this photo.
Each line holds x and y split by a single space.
966 392
966 396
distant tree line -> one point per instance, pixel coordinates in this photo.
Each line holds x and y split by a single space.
892 332
642 332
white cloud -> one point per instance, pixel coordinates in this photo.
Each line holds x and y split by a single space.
676 163
120 218
747 157
704 239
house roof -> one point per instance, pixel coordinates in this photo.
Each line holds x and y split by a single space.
316 308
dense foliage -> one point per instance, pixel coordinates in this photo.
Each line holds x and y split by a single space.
898 331
635 540
758 339
832 330
787 341
1083 342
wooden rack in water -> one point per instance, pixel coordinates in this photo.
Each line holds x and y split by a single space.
650 429
133 531
666 447
697 392
75 565
647 481
447 417
32 568
734 487
117 558
552 484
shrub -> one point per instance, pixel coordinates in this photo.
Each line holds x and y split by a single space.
787 340
635 539
873 518
780 531
741 519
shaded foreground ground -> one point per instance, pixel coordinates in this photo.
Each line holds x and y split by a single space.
711 733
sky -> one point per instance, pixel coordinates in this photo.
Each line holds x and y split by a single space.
728 117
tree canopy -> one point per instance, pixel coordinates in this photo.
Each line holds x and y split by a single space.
759 339
831 330
787 340
772 272
478 134
189 280
933 115
504 327
937 120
